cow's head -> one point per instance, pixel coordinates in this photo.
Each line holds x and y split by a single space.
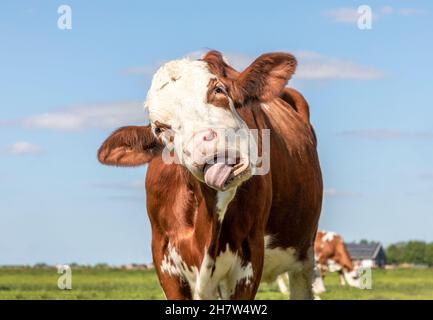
193 115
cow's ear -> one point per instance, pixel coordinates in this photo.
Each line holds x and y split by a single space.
219 66
129 146
266 77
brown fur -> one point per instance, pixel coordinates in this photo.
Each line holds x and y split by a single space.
129 146
215 97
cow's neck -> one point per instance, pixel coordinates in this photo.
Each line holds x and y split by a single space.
346 264
216 205
218 202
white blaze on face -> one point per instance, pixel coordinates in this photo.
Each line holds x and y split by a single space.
178 97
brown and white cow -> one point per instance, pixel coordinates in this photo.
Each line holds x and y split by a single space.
219 227
331 255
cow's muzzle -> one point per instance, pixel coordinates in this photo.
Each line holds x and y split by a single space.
223 175
219 163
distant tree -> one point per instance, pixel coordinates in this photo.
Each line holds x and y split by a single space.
395 253
415 252
41 265
364 241
429 254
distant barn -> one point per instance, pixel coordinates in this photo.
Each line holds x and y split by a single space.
367 254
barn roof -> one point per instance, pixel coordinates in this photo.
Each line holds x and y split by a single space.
359 251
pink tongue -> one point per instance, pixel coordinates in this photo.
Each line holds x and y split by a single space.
215 175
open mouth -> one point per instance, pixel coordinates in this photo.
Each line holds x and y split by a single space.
220 175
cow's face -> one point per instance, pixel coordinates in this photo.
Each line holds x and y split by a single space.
192 113
193 106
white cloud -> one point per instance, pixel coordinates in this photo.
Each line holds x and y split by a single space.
238 60
111 115
312 66
315 66
386 134
387 10
150 69
348 15
332 192
342 15
23 148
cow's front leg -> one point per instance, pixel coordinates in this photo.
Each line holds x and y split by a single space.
208 279
172 282
242 288
244 280
174 287
231 275
170 269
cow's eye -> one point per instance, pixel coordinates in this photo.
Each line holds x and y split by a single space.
157 130
219 90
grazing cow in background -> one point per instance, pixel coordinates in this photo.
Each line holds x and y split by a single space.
331 255
218 226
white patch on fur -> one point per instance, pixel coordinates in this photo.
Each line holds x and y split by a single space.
223 200
229 271
174 265
205 288
266 107
333 266
329 236
278 261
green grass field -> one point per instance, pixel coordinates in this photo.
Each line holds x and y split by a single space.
92 283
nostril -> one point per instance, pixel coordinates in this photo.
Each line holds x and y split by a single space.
210 135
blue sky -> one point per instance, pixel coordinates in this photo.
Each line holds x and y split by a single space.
64 91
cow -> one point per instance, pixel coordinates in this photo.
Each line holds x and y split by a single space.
331 255
221 224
